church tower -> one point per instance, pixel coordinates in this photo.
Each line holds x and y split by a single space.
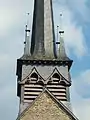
43 77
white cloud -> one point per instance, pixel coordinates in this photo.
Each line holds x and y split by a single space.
77 7
12 13
82 83
80 6
5 60
85 76
12 19
83 109
74 37
80 95
9 103
81 106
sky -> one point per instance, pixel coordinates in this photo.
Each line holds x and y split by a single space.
75 23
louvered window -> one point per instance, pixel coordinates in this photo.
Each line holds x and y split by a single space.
57 89
33 89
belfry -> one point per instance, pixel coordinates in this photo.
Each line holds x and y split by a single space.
43 74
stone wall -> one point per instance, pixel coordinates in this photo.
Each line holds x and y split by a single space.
45 71
45 108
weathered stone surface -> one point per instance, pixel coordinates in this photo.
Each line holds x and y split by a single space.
45 108
42 44
49 36
45 71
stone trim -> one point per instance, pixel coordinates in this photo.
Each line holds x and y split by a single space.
61 105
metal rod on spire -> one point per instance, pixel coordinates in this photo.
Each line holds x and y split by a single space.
27 35
27 24
62 53
57 42
61 29
57 32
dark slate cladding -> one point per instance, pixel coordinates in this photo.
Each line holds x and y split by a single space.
37 40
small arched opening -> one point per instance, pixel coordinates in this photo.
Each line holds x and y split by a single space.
34 76
56 77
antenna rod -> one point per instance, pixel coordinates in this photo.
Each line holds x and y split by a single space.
27 36
27 24
57 32
61 29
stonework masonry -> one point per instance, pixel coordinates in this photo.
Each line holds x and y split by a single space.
43 76
45 108
45 71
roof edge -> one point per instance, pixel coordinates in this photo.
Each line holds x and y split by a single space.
55 99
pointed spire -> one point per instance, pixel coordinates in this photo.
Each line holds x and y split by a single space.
49 34
27 42
42 41
61 51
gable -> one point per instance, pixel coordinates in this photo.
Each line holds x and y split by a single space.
44 80
45 108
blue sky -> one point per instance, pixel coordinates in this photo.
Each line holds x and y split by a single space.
76 24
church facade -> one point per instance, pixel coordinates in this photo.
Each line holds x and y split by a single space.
43 77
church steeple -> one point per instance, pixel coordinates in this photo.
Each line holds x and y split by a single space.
42 74
42 42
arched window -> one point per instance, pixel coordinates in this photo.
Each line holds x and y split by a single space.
34 76
56 77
